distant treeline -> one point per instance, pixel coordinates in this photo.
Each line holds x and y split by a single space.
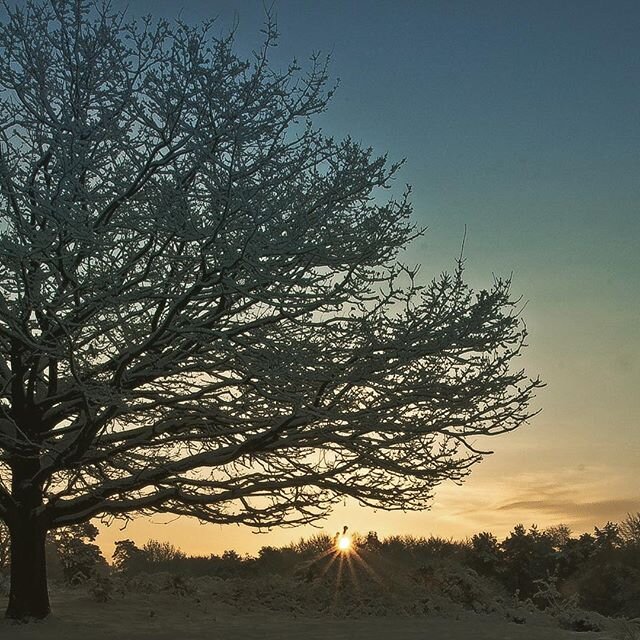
601 571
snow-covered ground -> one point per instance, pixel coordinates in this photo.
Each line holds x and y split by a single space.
169 617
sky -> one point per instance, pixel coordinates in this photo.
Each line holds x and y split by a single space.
519 121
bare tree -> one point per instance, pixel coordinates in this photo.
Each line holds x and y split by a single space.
630 529
202 311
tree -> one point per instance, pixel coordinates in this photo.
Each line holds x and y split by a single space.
128 557
527 556
202 308
157 552
630 530
559 535
79 557
608 537
486 553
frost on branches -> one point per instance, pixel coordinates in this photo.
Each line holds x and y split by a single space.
202 310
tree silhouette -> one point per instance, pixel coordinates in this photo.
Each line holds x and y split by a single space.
202 308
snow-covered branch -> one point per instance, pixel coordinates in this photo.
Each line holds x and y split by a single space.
202 309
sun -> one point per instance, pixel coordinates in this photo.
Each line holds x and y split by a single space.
344 544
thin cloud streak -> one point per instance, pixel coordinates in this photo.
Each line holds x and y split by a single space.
582 498
573 509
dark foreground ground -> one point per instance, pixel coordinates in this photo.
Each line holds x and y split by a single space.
168 617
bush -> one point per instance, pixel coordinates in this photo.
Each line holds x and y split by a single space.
460 585
610 585
103 587
411 575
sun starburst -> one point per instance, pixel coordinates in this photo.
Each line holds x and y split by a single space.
344 544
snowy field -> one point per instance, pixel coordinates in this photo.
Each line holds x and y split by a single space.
168 617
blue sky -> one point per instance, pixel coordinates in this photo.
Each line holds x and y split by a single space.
520 121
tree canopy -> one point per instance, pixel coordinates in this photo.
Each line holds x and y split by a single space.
202 305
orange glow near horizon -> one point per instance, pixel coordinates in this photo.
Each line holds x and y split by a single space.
501 493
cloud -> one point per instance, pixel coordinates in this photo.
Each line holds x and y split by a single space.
581 497
595 510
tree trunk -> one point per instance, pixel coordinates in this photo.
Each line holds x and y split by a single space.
29 595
